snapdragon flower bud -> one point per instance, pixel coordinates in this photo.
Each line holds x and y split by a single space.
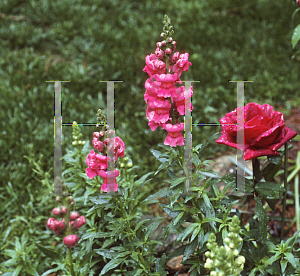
168 51
56 211
63 210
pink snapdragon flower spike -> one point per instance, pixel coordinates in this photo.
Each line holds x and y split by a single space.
71 240
174 137
165 101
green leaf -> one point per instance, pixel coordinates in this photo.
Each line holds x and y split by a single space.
201 147
290 257
111 264
296 36
182 235
189 250
143 178
177 182
263 220
270 170
162 262
59 267
291 240
151 228
283 264
196 232
17 270
272 203
139 224
50 253
162 193
171 174
156 153
269 190
32 271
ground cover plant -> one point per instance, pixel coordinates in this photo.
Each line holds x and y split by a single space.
118 250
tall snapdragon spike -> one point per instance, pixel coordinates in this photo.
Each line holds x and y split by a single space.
97 162
165 101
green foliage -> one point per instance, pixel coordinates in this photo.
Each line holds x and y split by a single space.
88 41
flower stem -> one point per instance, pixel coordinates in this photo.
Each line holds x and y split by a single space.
181 155
131 237
285 188
71 262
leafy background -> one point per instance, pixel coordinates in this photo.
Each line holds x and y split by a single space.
88 41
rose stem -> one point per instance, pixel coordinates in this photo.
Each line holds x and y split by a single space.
285 188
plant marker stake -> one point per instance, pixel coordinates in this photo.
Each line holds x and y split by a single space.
57 139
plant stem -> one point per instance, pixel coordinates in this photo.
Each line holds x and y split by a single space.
131 238
71 262
285 188
181 155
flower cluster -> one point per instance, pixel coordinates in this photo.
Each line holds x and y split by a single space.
97 163
264 130
70 223
221 259
165 101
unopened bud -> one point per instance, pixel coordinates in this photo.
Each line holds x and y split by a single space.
56 211
168 51
129 165
63 209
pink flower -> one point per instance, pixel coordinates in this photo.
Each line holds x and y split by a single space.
96 162
166 84
174 137
182 64
175 57
79 222
74 215
168 51
56 211
63 209
71 240
159 53
264 131
154 66
158 110
109 182
51 223
180 100
96 143
118 145
55 225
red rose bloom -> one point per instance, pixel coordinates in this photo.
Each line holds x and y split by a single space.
264 130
